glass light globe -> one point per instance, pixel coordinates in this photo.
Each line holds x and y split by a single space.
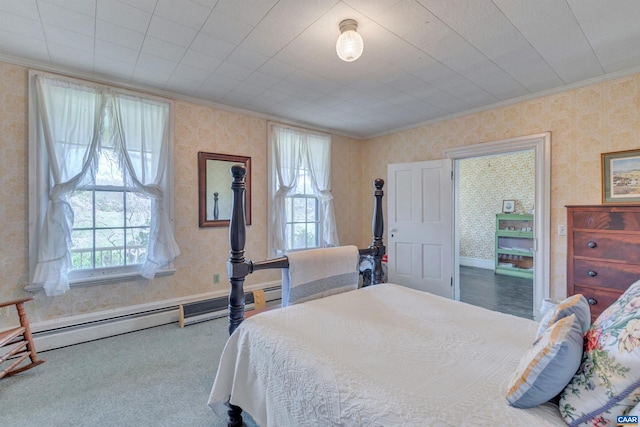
349 45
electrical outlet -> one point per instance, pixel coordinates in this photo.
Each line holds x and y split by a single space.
216 278
562 230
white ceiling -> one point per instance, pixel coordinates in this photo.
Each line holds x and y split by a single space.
423 59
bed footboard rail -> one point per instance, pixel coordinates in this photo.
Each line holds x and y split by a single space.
238 267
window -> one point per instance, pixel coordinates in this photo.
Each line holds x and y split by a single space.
111 227
303 227
301 211
101 167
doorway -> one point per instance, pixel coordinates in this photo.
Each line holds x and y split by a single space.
496 198
540 145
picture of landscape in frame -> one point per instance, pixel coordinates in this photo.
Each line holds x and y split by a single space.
621 177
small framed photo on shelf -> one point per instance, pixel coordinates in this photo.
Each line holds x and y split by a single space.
508 206
621 177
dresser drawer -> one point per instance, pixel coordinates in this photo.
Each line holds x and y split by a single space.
618 218
598 299
604 274
607 246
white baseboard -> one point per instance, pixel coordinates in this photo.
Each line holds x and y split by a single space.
52 339
487 264
88 327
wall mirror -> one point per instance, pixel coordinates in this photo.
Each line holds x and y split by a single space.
214 188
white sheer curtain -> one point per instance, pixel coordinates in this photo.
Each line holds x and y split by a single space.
293 149
70 114
287 146
319 158
142 139
73 116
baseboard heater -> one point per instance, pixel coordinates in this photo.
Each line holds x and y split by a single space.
93 327
201 311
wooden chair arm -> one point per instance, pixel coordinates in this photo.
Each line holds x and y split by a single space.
15 301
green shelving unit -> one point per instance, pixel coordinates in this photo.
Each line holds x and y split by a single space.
514 245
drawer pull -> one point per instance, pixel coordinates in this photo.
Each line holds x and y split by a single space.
592 301
592 273
592 245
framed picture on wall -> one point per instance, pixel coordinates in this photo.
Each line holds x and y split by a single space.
621 177
508 206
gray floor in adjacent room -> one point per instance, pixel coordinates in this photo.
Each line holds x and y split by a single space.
498 292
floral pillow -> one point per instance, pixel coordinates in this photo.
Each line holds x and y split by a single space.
608 381
574 304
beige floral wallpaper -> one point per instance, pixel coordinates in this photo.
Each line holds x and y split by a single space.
583 122
204 251
484 182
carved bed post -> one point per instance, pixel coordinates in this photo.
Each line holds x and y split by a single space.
237 268
377 227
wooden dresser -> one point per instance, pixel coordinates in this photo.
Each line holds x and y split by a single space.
603 252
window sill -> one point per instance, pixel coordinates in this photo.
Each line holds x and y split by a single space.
103 280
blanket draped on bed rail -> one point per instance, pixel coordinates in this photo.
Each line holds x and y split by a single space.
317 273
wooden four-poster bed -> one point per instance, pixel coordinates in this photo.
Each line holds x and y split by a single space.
383 355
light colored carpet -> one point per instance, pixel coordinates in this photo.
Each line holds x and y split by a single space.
156 377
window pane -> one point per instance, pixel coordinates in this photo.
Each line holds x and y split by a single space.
299 209
312 229
82 205
109 248
138 210
299 236
109 209
82 249
108 169
302 223
137 240
312 209
288 236
288 208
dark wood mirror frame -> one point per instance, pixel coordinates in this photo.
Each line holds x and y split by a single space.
205 195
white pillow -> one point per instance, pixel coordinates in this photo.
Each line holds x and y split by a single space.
574 304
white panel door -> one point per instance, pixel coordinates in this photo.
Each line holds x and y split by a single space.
419 205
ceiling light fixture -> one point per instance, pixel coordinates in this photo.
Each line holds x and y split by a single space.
349 45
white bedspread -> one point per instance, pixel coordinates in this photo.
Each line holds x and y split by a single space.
383 355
